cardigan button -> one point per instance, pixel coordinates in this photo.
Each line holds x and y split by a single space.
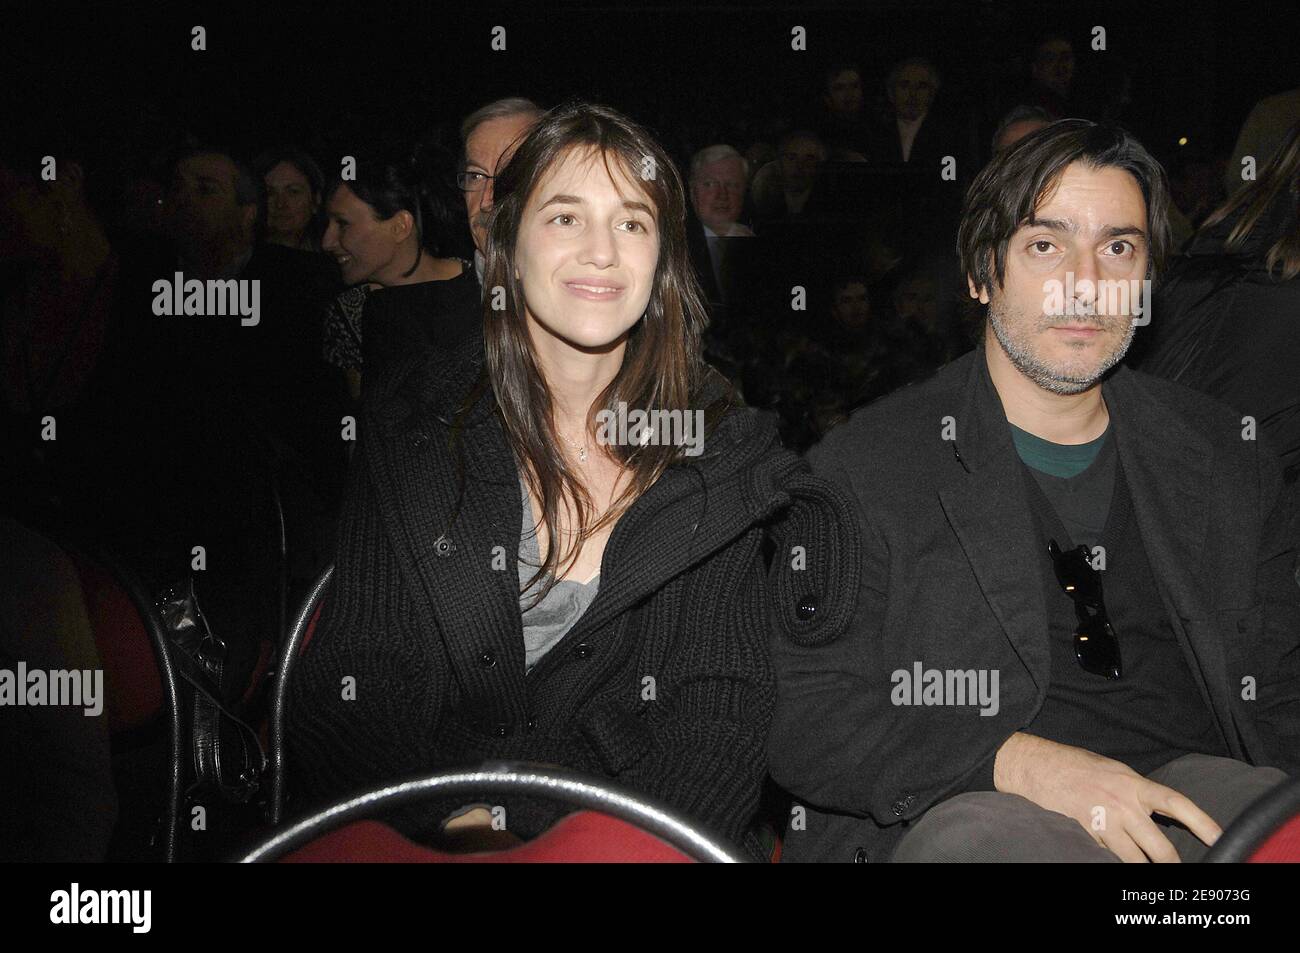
501 731
531 724
419 439
902 804
582 650
806 608
487 658
860 855
442 546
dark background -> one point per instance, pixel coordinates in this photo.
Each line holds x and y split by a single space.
123 76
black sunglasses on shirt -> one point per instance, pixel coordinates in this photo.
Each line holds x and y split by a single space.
1095 643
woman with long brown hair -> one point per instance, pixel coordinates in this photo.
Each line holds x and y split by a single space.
1227 320
552 545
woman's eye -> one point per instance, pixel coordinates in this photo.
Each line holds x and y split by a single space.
562 215
636 225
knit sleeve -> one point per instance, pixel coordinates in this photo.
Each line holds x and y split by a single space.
708 724
359 713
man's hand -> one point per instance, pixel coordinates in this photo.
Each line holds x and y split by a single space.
1076 782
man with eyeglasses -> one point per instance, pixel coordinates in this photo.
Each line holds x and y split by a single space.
1076 635
489 137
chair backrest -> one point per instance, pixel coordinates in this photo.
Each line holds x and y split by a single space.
530 780
288 656
135 692
140 599
1266 832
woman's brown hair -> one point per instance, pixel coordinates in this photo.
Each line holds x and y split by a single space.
1278 182
661 369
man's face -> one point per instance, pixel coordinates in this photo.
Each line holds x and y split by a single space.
799 163
1085 239
200 207
851 309
718 192
580 233
917 300
289 200
487 151
913 92
844 94
1054 66
364 246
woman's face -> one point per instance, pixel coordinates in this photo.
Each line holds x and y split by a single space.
586 253
365 246
289 200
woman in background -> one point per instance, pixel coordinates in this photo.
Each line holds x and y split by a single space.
1227 320
386 228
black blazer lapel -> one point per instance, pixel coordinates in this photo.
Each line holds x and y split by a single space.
988 510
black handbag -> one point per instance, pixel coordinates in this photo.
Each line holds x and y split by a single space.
226 755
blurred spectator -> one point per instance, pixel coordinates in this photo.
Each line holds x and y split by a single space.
1018 123
783 190
1263 130
294 214
489 137
718 180
58 335
842 118
386 228
1051 72
931 153
1227 320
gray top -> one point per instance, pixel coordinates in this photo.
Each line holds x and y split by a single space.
548 621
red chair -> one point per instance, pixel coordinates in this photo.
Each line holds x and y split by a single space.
625 825
1267 832
141 678
584 837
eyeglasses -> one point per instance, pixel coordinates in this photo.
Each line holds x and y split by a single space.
1095 644
472 181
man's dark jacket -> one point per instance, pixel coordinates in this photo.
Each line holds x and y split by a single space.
951 578
664 685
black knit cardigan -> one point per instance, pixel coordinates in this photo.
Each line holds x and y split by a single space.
664 685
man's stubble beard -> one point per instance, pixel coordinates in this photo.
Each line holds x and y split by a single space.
1019 351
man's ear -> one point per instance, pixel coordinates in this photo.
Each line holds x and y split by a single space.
981 293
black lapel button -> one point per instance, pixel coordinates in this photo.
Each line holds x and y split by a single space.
532 724
860 855
487 658
501 731
902 804
582 650
419 440
442 546
806 608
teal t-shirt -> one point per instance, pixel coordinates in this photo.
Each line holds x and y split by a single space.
1057 459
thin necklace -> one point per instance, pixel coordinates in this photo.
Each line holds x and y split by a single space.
582 451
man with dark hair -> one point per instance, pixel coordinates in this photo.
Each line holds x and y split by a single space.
841 114
1075 635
